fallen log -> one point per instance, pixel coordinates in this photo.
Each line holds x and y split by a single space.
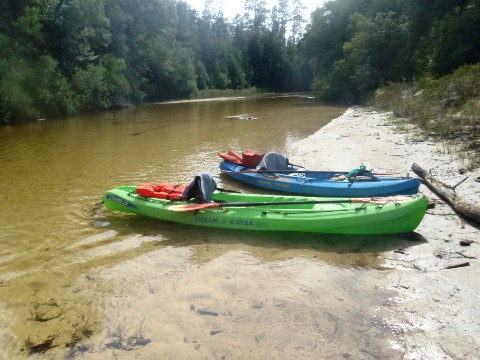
448 193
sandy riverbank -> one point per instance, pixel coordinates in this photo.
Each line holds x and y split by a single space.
440 306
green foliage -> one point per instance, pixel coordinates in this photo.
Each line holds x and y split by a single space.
447 107
18 103
64 57
356 46
327 33
52 92
31 89
30 25
453 41
91 88
83 33
102 86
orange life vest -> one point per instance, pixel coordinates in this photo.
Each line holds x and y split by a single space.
232 157
249 158
167 191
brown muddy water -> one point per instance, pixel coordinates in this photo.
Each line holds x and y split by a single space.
77 281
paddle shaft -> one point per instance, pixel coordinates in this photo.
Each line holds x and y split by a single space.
288 202
296 172
192 207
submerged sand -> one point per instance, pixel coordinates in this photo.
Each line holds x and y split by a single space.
440 307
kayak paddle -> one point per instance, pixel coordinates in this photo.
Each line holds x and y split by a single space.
193 207
298 172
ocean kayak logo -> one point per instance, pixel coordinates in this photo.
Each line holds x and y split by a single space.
121 201
276 184
246 223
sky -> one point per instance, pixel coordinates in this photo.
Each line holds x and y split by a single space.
232 7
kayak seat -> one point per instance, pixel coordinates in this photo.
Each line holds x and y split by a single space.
273 161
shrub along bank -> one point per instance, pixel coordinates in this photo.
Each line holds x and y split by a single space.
446 109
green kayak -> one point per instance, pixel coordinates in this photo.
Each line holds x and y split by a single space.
388 215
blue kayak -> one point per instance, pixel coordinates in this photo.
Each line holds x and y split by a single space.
296 180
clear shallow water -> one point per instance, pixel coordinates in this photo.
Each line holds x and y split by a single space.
90 280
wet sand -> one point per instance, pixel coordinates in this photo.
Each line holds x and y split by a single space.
439 308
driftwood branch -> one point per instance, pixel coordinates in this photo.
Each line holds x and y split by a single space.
455 186
456 266
460 204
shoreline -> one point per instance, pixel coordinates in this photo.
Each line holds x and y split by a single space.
436 306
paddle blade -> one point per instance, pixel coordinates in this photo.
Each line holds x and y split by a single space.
193 207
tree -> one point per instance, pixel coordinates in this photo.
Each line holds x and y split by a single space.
280 20
83 33
328 31
454 41
297 20
258 11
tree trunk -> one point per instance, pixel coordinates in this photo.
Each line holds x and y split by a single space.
460 204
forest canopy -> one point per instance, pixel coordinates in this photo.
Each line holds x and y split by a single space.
59 58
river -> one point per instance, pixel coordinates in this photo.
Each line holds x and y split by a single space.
79 281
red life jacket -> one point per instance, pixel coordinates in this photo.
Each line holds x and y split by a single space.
167 191
248 159
232 157
251 158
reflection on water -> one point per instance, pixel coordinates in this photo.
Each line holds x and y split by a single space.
359 251
95 284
